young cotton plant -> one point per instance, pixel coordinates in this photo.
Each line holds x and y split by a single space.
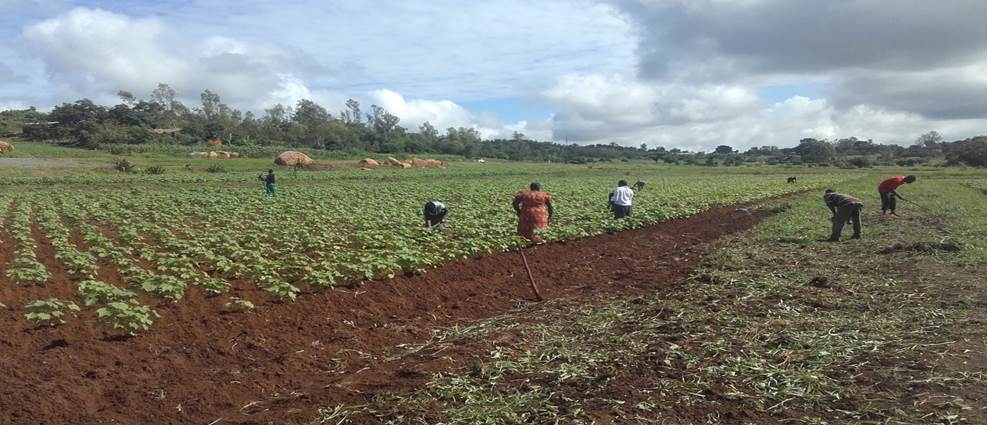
95 292
130 317
49 312
236 304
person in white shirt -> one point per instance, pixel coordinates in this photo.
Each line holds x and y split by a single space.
621 199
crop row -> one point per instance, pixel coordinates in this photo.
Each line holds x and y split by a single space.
313 237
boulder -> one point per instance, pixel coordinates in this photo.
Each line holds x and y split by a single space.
394 161
368 163
201 154
234 154
6 147
290 158
427 163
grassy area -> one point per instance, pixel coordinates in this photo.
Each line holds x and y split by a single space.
774 327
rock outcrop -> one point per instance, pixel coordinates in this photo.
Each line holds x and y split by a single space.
290 158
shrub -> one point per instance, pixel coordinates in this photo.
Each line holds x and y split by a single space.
49 312
123 165
154 170
216 168
860 162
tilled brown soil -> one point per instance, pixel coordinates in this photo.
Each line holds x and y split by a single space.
199 364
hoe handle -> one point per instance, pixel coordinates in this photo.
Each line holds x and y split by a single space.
531 278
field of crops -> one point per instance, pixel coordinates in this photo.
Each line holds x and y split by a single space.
114 253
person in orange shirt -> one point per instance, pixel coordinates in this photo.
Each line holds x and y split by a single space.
534 211
888 194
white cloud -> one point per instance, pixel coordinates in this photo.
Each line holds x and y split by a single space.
443 114
93 52
681 73
597 108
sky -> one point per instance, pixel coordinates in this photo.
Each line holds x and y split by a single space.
690 74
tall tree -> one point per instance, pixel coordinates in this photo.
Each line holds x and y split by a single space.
164 95
428 132
816 151
210 104
352 113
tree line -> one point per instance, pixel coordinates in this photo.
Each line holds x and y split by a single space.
163 119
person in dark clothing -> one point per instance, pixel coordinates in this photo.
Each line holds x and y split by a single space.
845 209
269 186
639 185
435 214
791 180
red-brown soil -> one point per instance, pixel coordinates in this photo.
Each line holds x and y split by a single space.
198 364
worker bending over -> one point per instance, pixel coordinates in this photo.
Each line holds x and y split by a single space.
435 214
845 209
889 195
621 199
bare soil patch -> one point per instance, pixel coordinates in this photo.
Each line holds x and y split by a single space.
199 364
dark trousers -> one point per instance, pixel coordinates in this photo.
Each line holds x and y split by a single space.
621 211
844 215
888 201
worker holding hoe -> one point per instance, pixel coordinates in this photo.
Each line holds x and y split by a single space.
887 190
534 211
435 214
269 186
845 209
621 199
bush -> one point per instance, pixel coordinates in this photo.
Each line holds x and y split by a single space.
860 162
154 170
123 165
216 168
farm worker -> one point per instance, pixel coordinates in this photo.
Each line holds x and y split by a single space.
269 183
621 199
534 211
435 213
888 194
845 209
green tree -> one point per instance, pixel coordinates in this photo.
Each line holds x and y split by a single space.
816 151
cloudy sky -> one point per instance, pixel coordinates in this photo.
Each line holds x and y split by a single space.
679 73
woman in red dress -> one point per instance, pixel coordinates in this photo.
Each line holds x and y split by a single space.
534 211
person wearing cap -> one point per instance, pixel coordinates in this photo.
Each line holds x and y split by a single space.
889 194
845 209
621 199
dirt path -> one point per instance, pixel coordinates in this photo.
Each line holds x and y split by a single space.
198 364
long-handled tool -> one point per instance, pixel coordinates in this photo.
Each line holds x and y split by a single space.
530 277
922 207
